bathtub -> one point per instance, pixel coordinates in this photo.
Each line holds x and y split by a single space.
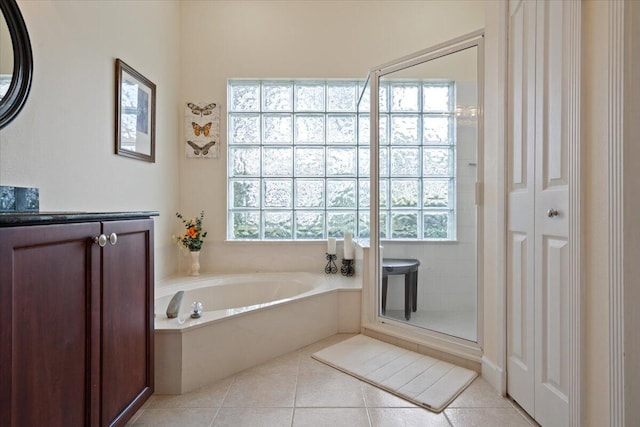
247 319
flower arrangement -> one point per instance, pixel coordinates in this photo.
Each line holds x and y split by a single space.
193 236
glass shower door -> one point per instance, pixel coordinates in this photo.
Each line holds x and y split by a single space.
426 163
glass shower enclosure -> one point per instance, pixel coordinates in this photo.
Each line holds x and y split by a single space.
425 127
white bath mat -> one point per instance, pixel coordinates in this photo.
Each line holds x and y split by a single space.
420 379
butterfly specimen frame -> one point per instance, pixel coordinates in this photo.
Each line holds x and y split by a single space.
135 114
202 129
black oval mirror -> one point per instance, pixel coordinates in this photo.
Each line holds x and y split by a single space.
14 85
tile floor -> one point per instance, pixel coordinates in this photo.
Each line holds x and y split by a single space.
296 390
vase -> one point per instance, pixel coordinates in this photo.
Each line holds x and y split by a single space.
194 267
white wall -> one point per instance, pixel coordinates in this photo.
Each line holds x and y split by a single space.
6 50
494 195
595 29
290 39
631 215
63 140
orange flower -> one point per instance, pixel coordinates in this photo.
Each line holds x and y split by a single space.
193 236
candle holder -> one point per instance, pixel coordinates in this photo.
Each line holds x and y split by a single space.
331 267
347 268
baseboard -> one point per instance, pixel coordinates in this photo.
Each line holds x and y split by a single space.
494 375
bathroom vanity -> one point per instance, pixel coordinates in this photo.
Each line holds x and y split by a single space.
76 317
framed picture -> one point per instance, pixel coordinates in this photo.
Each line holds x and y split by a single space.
135 114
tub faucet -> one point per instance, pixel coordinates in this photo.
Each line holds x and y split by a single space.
174 305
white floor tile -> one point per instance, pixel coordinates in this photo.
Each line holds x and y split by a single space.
297 390
330 417
254 417
406 417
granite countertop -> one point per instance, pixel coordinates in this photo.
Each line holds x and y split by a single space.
11 219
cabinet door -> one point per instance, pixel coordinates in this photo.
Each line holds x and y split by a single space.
49 280
127 320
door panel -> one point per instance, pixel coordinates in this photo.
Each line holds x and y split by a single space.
519 89
551 78
48 283
553 299
519 301
520 255
551 231
127 316
520 362
552 333
538 211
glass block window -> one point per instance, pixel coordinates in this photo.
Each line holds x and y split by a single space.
298 160
417 160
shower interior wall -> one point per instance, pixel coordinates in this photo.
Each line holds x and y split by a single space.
447 276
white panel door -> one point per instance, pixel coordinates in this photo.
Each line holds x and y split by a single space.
551 218
521 186
537 258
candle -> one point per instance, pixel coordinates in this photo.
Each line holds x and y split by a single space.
331 246
348 246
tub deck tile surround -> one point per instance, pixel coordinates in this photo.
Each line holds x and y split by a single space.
295 390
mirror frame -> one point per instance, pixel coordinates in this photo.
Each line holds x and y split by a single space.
20 86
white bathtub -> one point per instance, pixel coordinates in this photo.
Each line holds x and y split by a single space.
247 320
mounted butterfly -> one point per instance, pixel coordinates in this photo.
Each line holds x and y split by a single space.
204 110
202 129
198 149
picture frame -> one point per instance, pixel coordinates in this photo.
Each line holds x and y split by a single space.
135 114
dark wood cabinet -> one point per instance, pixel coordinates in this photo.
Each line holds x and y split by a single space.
127 320
76 323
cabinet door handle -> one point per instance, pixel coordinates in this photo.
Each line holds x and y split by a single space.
101 240
552 212
113 238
